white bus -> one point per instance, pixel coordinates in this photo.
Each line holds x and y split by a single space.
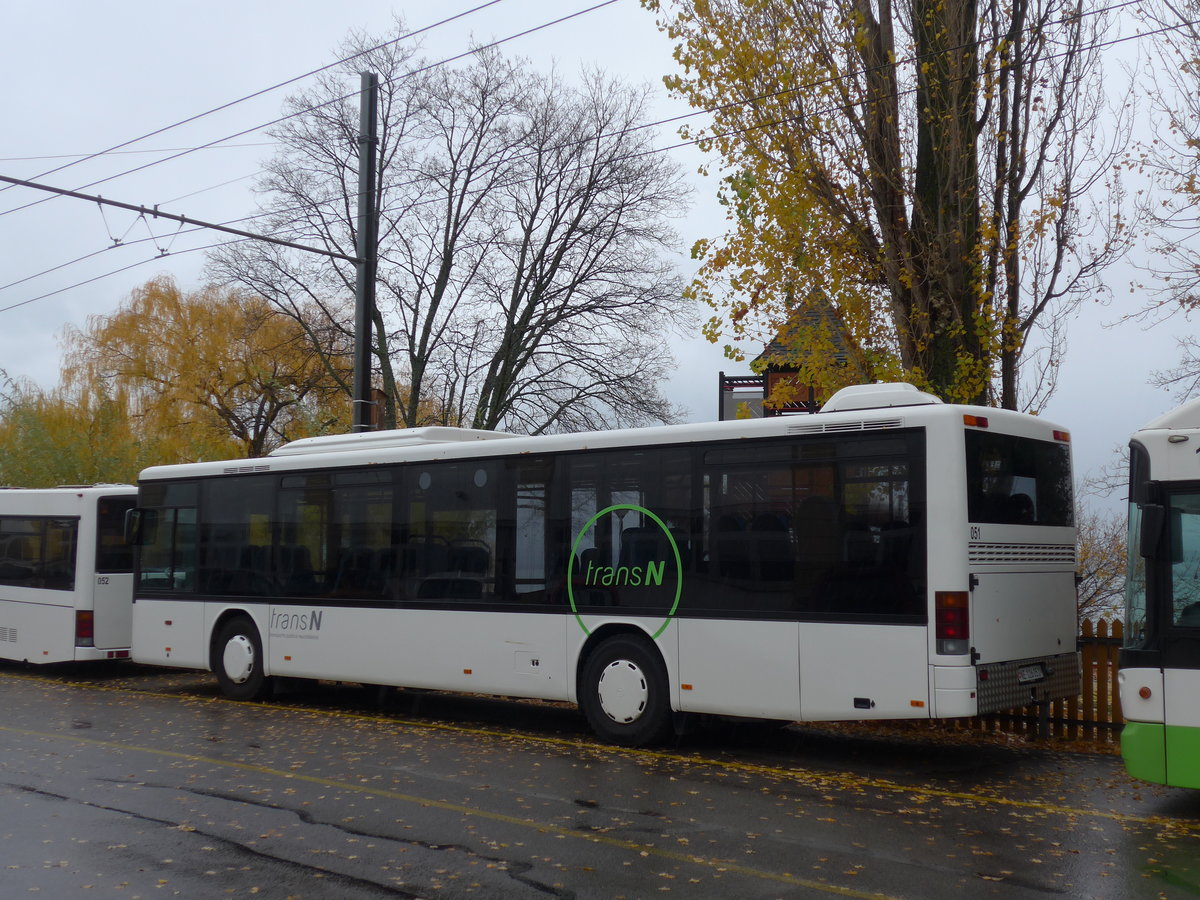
66 573
1160 659
889 557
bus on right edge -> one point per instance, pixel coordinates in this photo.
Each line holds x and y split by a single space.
1160 658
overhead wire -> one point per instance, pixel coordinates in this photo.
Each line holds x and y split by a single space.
263 91
80 157
411 73
655 150
310 109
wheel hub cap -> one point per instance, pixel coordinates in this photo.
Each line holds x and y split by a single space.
623 691
239 659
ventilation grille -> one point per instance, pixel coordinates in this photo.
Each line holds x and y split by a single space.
8 634
981 554
832 427
246 470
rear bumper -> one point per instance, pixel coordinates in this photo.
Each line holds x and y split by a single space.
91 654
1006 685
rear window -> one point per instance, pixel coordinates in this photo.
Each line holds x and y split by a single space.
1018 481
112 553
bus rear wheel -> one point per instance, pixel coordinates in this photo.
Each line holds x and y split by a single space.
238 661
624 692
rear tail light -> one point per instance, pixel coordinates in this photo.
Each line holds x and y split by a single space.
953 622
85 628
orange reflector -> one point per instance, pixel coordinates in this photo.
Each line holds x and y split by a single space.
916 703
976 421
1144 693
467 672
287 659
685 687
1064 436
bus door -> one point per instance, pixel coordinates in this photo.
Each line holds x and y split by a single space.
112 587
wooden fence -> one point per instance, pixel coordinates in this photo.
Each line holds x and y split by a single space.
1095 715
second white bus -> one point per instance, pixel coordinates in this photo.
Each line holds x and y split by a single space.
66 574
888 557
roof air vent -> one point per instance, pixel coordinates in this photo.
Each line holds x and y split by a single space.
878 396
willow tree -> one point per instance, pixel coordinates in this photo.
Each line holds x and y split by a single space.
206 373
919 178
54 437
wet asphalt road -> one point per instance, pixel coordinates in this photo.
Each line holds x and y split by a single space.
136 783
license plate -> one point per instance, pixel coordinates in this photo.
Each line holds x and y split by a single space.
1030 674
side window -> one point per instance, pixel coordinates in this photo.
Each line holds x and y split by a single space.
235 536
112 553
364 562
302 564
829 528
167 561
752 553
631 527
446 533
882 568
38 552
527 528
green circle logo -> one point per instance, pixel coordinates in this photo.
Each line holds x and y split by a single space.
645 574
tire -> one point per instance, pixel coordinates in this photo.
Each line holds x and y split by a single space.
238 661
624 692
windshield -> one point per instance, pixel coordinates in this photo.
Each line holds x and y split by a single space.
1135 582
1135 569
1184 524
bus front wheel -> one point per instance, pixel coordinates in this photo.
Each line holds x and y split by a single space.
624 692
238 661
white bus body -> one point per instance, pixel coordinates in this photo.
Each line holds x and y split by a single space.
889 557
66 582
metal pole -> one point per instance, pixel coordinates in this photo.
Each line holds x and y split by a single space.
368 229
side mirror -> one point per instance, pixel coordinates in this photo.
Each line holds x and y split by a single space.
140 526
1154 518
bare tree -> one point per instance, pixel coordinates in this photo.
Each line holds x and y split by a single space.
1102 562
522 230
1174 156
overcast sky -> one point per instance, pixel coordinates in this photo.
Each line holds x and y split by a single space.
82 76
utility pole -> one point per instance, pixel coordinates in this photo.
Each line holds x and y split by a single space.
368 230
